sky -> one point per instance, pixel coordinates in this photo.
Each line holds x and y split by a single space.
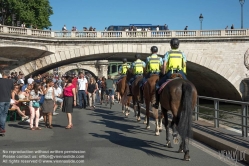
175 13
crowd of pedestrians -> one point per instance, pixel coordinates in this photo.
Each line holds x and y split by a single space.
38 98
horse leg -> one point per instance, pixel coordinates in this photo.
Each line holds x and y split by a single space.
186 150
134 106
148 114
155 112
166 125
161 122
180 150
123 109
138 111
126 110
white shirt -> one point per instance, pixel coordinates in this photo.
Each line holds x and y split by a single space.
157 28
49 94
82 83
30 80
57 92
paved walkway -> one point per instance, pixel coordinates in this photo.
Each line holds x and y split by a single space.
103 137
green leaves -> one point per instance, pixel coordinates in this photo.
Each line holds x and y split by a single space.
30 12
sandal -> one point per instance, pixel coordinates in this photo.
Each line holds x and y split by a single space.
37 128
50 127
32 128
69 126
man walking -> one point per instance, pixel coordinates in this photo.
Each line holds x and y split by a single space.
82 90
6 85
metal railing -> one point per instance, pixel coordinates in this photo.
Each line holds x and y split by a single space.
243 115
124 34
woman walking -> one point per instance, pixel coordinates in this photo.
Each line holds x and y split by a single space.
48 104
34 107
69 101
92 88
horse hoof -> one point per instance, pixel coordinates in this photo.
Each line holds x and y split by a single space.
168 144
138 119
186 156
160 129
157 133
147 127
123 112
175 140
180 151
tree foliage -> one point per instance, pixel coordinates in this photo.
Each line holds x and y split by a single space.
30 12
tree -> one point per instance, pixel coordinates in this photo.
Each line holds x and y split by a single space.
30 12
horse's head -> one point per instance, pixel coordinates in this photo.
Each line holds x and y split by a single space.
175 75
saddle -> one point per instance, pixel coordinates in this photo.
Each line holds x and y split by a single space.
173 77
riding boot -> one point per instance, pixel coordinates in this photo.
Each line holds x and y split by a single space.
156 105
141 96
130 94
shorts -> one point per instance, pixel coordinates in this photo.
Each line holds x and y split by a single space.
59 100
109 92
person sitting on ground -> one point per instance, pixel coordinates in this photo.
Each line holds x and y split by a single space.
15 103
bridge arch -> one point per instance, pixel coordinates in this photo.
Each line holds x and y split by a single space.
222 75
92 70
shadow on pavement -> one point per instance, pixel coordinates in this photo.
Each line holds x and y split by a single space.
112 121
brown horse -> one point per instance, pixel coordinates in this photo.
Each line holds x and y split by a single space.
122 88
149 98
180 97
135 93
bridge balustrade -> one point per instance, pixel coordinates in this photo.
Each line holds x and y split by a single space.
111 34
123 34
37 32
62 34
210 33
17 30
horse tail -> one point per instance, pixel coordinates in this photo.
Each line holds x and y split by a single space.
185 121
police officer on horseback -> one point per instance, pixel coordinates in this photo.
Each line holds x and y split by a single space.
123 69
138 68
153 66
174 62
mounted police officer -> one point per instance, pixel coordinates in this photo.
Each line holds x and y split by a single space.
138 68
174 62
153 66
123 69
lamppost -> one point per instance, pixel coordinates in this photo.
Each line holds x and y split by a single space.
242 3
201 19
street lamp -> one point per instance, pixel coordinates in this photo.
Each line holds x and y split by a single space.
242 3
201 19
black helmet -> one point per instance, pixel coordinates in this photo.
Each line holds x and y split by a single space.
154 49
174 43
137 56
124 60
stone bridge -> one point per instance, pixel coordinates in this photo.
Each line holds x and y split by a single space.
217 60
